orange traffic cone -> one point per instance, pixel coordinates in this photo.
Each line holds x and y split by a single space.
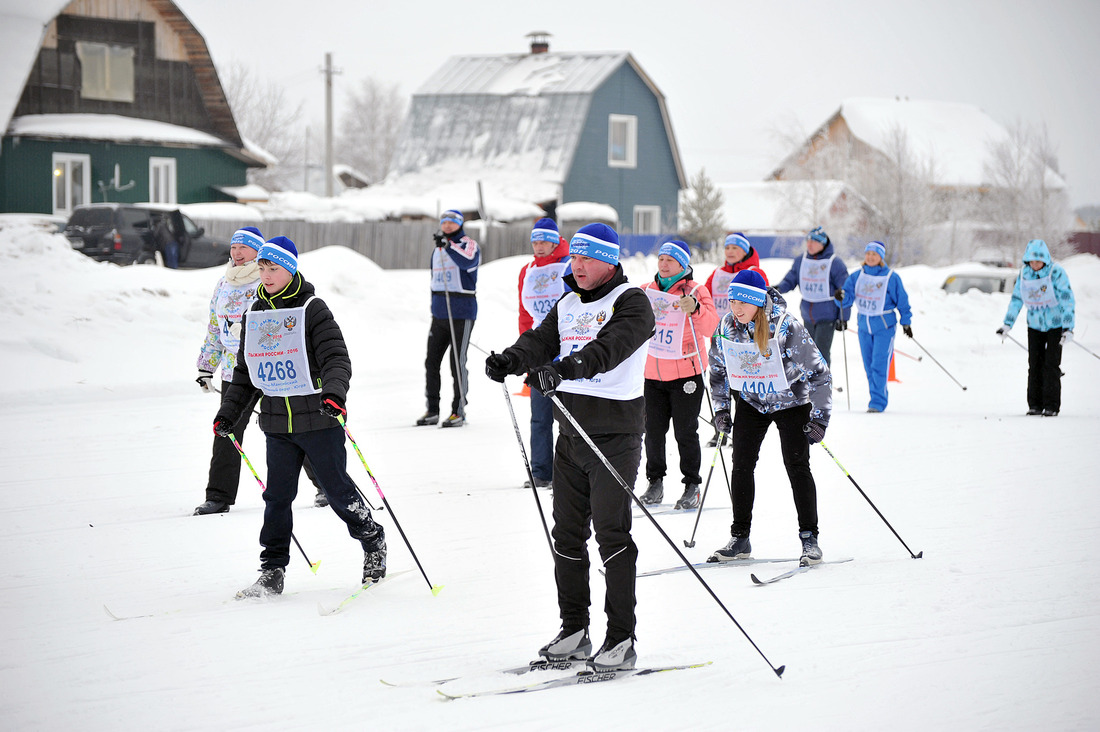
892 376
526 390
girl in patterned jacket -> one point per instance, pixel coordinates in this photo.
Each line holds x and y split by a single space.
766 368
1043 287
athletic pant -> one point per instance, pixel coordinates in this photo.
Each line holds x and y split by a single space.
822 332
877 350
439 344
587 496
680 401
749 428
325 450
542 436
1044 369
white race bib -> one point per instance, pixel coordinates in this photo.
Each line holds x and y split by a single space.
578 324
720 291
668 340
231 305
871 293
1038 293
813 279
542 287
748 370
275 352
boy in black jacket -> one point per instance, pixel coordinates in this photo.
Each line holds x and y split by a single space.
293 351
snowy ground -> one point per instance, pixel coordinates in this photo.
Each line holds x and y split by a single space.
106 442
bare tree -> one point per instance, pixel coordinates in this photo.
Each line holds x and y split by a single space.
269 119
1027 197
370 127
701 220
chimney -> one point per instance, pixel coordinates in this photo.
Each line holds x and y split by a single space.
540 41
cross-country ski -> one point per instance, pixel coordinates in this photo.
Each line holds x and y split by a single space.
579 679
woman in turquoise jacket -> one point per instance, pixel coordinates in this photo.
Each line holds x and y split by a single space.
877 292
1044 287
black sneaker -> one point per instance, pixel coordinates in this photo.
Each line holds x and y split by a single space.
455 420
737 548
655 493
209 507
428 419
713 442
1035 412
614 656
1046 413
374 563
320 500
269 583
570 644
690 499
811 552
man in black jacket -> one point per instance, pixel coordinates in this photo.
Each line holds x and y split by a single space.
591 350
294 352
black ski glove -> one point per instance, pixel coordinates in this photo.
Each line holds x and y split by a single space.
440 239
223 426
838 295
840 326
499 365
333 406
544 379
907 330
815 432
723 422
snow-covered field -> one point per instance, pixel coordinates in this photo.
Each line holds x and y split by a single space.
106 442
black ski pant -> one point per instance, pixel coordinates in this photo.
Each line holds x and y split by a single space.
1044 369
749 428
325 450
225 462
822 332
439 341
587 496
678 400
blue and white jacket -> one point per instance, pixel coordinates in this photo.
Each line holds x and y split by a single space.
807 373
461 254
896 299
813 312
1043 319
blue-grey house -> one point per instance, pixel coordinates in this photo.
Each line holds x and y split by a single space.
548 128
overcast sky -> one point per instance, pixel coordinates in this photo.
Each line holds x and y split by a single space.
733 72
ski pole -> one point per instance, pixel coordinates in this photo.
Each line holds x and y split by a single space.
527 465
845 471
263 488
900 353
460 377
937 362
710 406
603 459
720 444
1021 345
1087 350
847 387
434 588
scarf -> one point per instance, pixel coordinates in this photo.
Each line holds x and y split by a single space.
242 275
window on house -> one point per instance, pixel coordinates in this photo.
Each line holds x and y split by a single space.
72 181
647 220
622 141
162 180
106 72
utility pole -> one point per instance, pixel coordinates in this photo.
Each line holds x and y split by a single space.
328 71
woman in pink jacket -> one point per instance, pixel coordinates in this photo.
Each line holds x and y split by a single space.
686 318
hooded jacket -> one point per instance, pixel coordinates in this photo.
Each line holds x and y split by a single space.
627 330
813 312
1044 319
697 332
560 254
329 366
807 373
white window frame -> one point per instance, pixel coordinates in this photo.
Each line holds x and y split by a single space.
647 220
627 126
162 180
106 72
62 166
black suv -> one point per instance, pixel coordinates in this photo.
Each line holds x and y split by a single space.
124 234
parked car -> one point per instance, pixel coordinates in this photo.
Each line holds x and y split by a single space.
982 278
123 233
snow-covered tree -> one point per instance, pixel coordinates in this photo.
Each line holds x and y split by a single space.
370 127
701 220
266 116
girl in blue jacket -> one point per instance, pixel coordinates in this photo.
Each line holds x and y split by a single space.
1044 287
877 292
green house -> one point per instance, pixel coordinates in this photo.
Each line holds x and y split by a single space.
112 102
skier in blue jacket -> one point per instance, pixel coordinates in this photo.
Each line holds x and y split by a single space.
1044 288
877 292
818 274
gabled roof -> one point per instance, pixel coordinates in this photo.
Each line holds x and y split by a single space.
513 115
23 26
783 206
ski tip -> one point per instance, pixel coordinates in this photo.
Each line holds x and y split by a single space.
919 555
755 580
436 589
445 695
386 683
314 566
779 671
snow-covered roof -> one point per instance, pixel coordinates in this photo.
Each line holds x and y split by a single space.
249 192
955 137
22 27
778 206
524 74
113 127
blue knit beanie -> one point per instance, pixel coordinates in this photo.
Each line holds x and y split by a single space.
282 252
748 286
738 239
678 250
452 215
818 234
877 247
597 241
545 230
249 236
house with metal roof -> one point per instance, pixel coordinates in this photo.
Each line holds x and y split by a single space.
546 127
112 101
